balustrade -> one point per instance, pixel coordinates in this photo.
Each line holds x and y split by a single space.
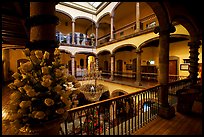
116 116
79 39
120 115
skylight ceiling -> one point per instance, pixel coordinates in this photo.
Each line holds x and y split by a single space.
95 4
90 7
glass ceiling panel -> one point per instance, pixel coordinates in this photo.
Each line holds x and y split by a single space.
95 4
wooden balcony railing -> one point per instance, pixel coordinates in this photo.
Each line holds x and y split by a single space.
116 116
120 115
179 84
144 76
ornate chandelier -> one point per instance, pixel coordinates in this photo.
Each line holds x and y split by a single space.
93 91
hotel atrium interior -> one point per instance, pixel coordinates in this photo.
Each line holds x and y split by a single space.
102 68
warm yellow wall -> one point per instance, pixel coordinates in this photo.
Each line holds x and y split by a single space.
64 29
140 39
102 59
150 53
103 32
147 54
145 10
67 57
14 56
68 29
135 41
78 57
91 59
124 20
82 29
125 56
181 50
180 30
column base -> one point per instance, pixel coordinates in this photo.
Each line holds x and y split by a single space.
111 78
166 112
138 83
111 39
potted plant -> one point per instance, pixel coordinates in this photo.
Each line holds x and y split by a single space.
40 97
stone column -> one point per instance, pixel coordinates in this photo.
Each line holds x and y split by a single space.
96 40
138 74
43 27
193 67
6 64
137 17
111 31
112 66
73 65
165 110
73 31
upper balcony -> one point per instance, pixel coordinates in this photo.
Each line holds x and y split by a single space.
127 31
79 39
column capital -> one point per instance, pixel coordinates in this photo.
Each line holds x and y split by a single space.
72 56
73 20
112 15
113 55
138 51
97 25
168 30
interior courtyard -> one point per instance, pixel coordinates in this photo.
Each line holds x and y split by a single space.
136 71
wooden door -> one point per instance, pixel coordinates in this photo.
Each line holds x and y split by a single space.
105 66
134 67
119 66
173 69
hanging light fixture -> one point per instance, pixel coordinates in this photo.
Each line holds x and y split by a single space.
91 90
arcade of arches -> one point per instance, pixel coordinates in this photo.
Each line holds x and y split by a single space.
153 43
